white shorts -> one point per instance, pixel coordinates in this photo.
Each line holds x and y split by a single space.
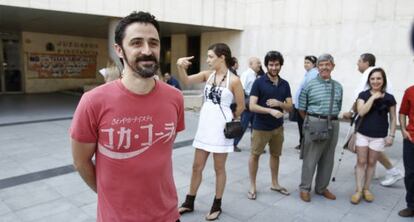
376 144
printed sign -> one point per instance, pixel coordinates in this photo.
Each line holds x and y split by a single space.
61 66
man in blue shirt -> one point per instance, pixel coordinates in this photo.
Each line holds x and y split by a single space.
170 80
311 73
269 96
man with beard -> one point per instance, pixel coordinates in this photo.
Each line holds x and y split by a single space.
130 126
269 96
319 102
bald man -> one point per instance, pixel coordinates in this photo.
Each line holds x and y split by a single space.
247 78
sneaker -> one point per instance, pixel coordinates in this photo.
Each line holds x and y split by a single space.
390 179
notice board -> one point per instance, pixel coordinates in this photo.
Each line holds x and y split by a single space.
43 65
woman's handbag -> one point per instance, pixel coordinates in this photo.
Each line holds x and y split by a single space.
350 144
233 129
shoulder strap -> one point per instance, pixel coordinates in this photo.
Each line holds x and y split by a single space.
331 102
221 109
332 97
211 76
359 122
228 79
223 112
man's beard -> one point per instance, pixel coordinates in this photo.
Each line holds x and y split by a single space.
146 71
273 74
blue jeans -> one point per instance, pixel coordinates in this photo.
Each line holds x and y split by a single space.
408 157
246 118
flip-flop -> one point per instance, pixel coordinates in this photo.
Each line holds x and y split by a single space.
213 218
251 195
184 210
281 190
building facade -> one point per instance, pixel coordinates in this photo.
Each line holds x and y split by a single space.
47 46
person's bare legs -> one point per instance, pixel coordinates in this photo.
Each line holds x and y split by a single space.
385 161
372 160
360 173
220 169
200 159
253 166
361 167
274 170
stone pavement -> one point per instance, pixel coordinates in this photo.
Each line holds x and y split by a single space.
33 186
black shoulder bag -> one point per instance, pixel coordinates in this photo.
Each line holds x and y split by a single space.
232 129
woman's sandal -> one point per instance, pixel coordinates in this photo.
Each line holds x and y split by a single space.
215 210
187 206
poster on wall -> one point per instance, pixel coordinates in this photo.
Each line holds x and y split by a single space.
47 66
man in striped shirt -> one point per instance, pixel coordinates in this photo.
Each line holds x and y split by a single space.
314 105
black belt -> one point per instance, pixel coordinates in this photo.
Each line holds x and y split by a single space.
323 117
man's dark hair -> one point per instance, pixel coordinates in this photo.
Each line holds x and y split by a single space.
273 56
222 49
140 17
384 77
368 57
312 59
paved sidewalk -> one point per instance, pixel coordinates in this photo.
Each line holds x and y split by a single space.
28 149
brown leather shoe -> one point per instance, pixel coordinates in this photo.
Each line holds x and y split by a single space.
305 196
327 194
407 212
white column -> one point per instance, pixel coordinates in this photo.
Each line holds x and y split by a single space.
111 41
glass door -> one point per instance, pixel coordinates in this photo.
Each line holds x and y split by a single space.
10 71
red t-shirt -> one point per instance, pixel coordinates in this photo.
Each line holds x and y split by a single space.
134 136
407 108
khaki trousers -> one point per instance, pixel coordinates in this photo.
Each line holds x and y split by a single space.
318 154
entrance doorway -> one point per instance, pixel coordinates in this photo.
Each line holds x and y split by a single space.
10 68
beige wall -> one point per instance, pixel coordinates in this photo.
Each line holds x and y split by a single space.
36 42
344 28
231 38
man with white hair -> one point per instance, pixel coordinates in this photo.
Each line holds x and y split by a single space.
319 104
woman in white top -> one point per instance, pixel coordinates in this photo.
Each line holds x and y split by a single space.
222 86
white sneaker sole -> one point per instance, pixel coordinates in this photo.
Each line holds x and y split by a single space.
387 183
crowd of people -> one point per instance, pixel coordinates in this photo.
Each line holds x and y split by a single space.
131 130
